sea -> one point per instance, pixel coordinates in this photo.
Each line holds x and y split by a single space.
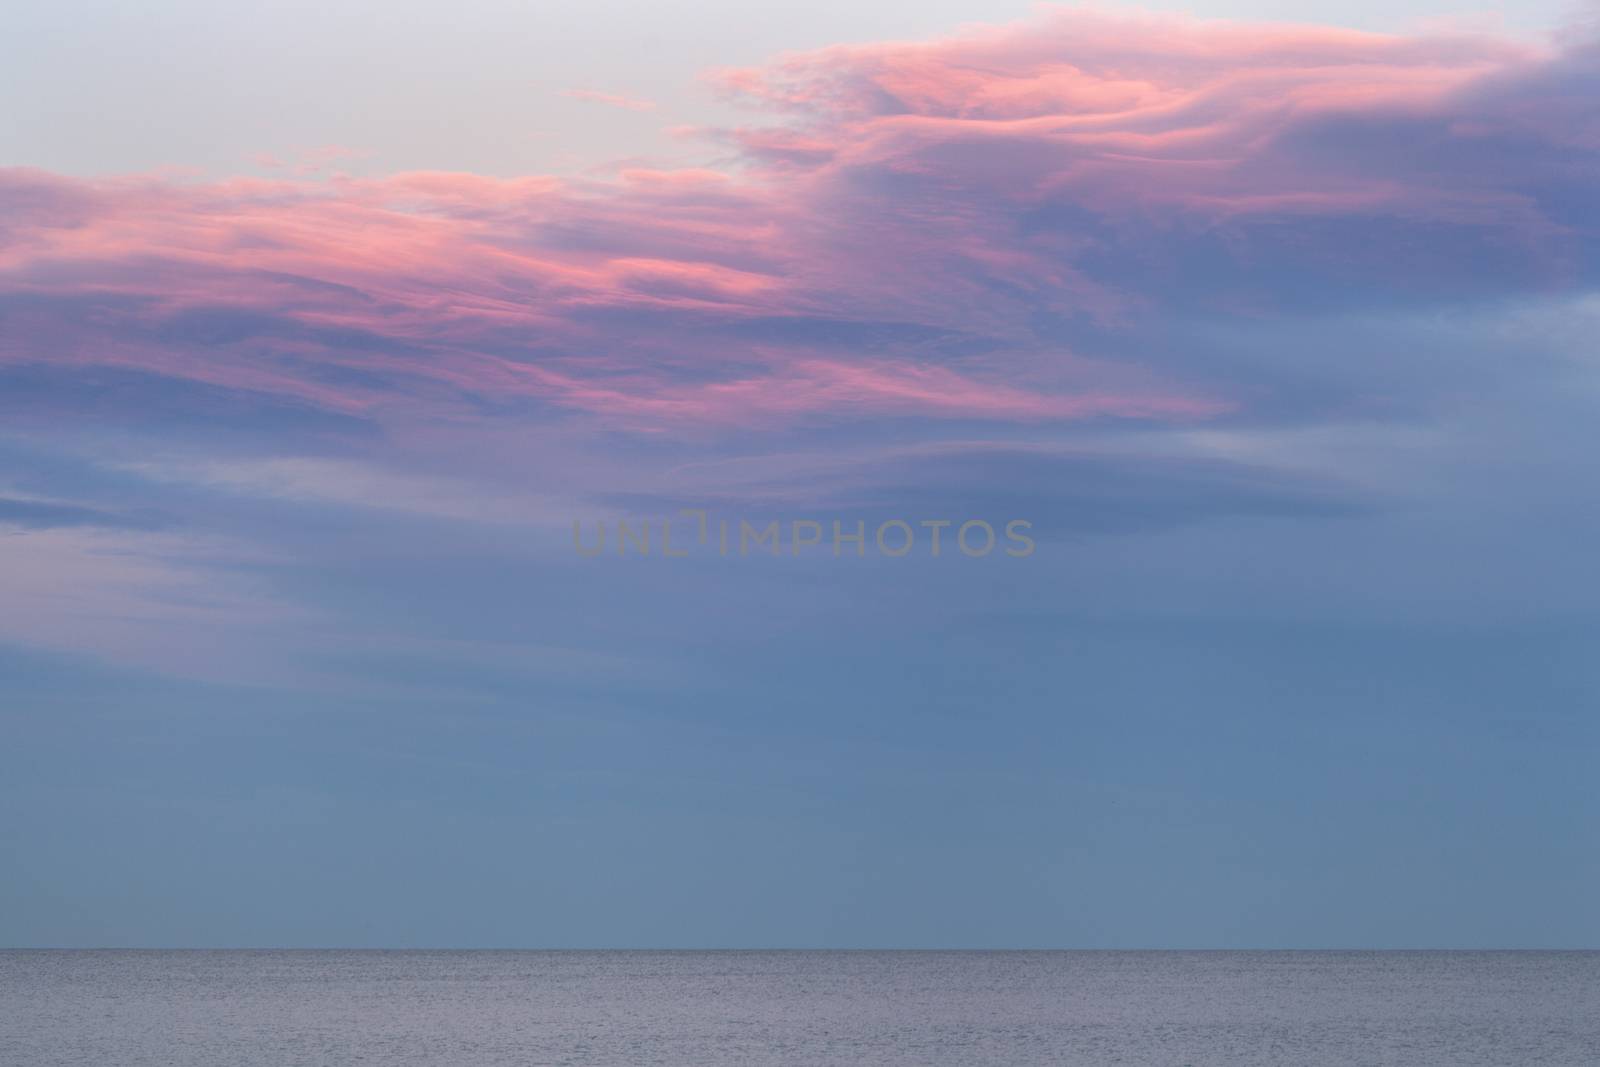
156 1008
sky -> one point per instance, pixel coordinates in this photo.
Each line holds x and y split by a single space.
332 336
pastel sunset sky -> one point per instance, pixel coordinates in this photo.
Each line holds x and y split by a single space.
321 324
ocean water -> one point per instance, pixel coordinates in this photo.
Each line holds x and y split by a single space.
707 1009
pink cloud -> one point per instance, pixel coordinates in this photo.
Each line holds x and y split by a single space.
963 229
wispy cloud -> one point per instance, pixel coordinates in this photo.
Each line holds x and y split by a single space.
957 229
617 100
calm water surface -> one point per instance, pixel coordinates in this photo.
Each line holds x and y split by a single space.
706 1009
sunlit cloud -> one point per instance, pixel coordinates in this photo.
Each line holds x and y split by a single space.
928 221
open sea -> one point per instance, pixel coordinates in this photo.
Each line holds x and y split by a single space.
707 1009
